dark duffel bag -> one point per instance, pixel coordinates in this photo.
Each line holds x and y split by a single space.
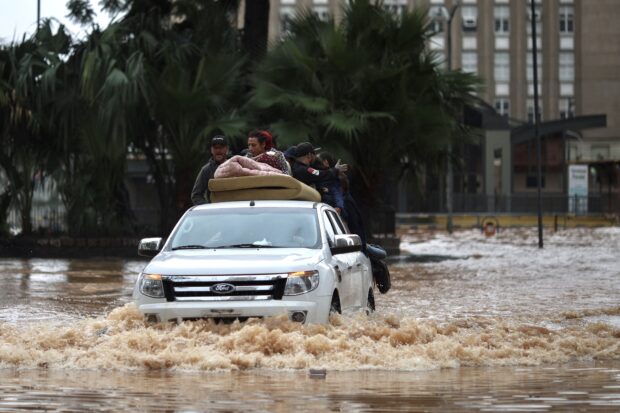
380 271
375 251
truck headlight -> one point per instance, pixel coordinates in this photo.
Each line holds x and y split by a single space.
301 282
151 285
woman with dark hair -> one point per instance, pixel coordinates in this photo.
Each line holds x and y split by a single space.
260 148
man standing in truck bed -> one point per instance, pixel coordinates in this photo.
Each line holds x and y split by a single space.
306 173
219 153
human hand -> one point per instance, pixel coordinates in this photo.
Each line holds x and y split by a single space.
342 167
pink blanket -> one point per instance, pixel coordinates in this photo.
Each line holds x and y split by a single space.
242 166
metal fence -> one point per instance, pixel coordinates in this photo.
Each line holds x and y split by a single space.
46 219
524 203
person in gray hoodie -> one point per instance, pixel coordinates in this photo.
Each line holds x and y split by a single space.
219 154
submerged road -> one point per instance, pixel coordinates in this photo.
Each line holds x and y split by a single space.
471 324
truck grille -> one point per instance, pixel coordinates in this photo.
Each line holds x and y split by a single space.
224 287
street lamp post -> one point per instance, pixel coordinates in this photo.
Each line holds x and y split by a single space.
449 15
536 126
38 14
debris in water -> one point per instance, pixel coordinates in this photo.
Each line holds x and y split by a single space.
317 373
103 331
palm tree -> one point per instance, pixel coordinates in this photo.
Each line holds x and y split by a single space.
27 150
368 88
167 75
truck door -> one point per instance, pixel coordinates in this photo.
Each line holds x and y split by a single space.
351 278
342 263
357 287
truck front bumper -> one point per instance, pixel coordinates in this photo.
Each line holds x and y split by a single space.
315 311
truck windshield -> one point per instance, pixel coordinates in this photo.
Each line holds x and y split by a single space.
247 228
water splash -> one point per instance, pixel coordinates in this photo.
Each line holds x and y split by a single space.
122 341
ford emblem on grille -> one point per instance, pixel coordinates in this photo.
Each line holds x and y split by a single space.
223 288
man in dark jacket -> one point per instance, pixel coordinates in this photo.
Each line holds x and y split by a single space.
303 170
219 153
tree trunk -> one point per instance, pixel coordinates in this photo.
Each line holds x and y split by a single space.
256 28
25 208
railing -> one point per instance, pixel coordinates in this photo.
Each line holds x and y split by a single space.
44 218
593 151
52 220
522 203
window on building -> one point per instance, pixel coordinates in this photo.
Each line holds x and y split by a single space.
502 89
321 11
470 62
530 66
567 89
436 17
567 24
530 110
470 43
566 108
567 42
530 89
538 23
502 67
441 59
502 106
287 14
567 67
469 16
502 19
600 152
397 7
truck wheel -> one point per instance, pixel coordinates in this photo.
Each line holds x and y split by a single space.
370 303
334 308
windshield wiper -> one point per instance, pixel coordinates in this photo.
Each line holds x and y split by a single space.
247 245
189 247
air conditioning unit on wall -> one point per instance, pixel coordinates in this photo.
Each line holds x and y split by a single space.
470 23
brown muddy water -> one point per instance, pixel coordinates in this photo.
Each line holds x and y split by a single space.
484 324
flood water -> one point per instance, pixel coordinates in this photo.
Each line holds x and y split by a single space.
487 324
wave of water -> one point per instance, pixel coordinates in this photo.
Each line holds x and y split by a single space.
122 341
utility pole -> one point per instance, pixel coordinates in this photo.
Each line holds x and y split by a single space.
536 124
449 174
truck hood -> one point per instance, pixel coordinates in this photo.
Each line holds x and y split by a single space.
234 261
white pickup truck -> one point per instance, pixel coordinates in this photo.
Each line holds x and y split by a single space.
235 260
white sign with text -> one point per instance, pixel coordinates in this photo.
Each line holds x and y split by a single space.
578 189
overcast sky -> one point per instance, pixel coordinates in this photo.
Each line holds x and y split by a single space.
20 16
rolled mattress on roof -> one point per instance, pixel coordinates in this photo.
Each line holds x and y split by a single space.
271 187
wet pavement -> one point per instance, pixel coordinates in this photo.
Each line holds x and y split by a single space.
484 324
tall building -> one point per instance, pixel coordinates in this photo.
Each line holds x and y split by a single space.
578 56
578 67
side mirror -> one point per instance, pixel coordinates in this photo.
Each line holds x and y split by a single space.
346 243
149 247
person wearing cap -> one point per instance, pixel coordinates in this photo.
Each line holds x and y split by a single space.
219 154
289 155
303 170
260 149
